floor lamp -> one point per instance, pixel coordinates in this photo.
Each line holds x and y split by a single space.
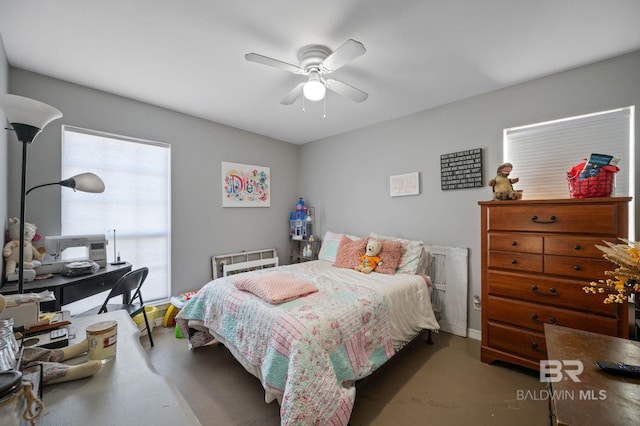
27 118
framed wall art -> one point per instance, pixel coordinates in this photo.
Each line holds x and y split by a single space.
407 184
244 185
461 169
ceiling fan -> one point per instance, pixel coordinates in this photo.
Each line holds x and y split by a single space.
316 62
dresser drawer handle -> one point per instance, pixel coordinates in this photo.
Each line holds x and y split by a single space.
514 243
537 348
577 247
552 290
552 320
514 262
552 219
577 267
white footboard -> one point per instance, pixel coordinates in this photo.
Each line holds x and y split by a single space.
233 263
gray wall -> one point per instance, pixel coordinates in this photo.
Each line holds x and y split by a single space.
354 197
200 226
4 150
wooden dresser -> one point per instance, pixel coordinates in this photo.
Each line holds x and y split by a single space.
536 257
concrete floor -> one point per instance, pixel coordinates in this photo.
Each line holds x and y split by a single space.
440 384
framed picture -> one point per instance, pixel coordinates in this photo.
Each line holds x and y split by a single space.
244 185
407 184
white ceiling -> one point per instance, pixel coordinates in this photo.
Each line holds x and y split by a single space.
188 55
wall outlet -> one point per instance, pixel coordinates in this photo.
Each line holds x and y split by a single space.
476 302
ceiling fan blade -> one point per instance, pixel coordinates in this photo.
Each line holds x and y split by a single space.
344 54
356 95
293 95
265 60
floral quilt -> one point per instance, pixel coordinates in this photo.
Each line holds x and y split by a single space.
309 351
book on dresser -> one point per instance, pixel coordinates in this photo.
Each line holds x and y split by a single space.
537 255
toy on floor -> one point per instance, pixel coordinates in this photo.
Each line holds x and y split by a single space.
51 360
503 185
370 260
177 303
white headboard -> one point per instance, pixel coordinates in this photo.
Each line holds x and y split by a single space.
449 273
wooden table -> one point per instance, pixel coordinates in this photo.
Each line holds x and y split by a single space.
125 391
599 398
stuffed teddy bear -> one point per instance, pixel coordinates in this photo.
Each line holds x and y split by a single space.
53 371
502 184
369 260
11 252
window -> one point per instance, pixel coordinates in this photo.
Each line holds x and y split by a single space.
543 153
135 203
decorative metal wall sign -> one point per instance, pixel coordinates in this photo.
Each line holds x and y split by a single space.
462 169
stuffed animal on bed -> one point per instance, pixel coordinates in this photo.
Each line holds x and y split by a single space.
503 185
369 260
11 250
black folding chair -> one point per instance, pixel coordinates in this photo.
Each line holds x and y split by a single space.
129 282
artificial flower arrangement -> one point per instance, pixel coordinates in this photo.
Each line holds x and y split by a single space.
625 278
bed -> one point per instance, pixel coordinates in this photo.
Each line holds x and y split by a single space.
310 330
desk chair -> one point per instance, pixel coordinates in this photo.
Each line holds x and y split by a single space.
130 281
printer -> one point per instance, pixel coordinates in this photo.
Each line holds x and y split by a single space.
63 249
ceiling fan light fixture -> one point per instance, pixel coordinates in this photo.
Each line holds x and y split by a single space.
314 89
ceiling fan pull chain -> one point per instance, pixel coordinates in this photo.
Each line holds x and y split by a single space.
324 107
303 110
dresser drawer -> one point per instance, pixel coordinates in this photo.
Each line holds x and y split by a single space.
515 242
575 246
522 342
577 267
533 316
555 292
524 262
592 219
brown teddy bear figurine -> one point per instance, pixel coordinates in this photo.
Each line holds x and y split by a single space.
503 185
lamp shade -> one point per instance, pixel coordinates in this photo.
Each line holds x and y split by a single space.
314 89
84 182
28 111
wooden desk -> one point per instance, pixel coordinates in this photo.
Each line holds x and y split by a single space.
582 403
72 289
125 391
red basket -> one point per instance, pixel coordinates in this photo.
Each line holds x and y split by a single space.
593 187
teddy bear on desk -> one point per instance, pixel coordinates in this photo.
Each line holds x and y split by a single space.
11 251
54 371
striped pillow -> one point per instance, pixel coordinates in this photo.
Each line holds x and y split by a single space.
411 258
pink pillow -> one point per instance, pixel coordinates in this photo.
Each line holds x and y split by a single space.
349 252
274 286
390 254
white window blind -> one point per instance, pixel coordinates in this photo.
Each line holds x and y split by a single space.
136 203
543 153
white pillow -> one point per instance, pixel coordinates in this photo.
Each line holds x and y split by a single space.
330 243
412 261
